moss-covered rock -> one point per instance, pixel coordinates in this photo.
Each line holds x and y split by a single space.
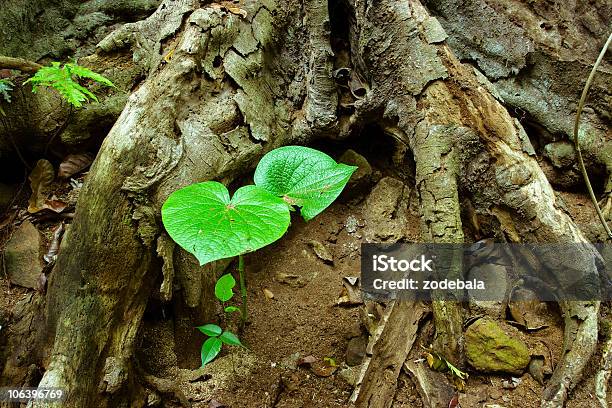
495 347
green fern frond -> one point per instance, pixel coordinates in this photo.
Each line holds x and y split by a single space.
86 73
6 86
64 80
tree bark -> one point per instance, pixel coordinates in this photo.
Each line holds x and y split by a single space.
193 119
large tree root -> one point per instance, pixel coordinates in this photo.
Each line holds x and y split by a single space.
387 352
496 168
173 131
605 369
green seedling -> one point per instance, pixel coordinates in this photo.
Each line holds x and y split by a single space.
216 338
64 79
224 292
204 220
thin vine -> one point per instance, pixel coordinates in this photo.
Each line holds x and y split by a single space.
585 175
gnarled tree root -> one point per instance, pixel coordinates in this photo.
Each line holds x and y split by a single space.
605 369
386 354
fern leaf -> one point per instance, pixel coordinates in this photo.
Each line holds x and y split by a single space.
5 87
63 80
83 72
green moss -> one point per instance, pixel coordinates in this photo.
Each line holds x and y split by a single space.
493 348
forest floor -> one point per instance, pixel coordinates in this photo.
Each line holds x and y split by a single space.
303 334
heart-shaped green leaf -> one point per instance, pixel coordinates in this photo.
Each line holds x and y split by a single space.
224 286
210 349
203 220
211 330
230 339
304 177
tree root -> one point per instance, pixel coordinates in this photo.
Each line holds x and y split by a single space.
387 351
495 165
167 386
436 180
21 64
605 369
177 128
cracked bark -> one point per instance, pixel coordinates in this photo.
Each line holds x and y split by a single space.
322 94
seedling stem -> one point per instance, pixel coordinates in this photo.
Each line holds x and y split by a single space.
243 289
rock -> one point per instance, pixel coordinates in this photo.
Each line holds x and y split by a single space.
290 362
512 383
474 396
536 369
495 393
363 175
323 368
491 300
321 251
350 374
355 351
385 211
353 331
495 347
350 295
541 364
351 224
293 280
22 256
527 310
561 154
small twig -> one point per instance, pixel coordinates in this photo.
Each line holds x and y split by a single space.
585 92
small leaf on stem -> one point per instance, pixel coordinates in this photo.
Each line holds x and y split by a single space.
210 349
211 330
224 286
230 339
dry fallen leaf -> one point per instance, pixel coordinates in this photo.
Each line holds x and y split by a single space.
41 178
238 11
73 164
320 251
225 5
57 206
306 361
215 404
323 368
268 293
350 294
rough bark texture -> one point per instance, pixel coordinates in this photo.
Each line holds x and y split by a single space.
388 351
201 115
38 29
222 89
